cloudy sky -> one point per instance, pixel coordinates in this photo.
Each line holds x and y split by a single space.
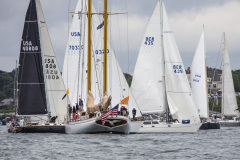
186 16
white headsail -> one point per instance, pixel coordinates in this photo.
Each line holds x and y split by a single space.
199 79
229 103
179 95
55 86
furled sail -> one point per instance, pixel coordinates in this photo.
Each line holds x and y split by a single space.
199 79
179 95
229 103
147 78
31 86
54 82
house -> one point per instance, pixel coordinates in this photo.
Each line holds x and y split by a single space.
6 102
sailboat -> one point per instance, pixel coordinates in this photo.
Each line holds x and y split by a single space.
230 112
85 75
199 86
160 84
40 85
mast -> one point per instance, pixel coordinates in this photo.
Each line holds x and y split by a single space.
163 66
89 42
205 67
105 47
15 89
222 74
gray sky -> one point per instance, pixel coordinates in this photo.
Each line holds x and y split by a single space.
186 16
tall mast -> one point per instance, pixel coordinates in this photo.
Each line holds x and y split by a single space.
205 67
15 89
105 47
89 42
163 66
223 52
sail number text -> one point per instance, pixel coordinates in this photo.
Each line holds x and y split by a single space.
178 68
27 46
101 51
51 69
149 41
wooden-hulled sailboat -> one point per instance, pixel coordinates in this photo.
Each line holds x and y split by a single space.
230 110
90 74
40 85
160 84
199 86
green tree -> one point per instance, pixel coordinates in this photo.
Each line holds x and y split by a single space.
128 78
5 79
2 96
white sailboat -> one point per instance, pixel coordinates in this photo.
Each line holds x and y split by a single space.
40 85
199 86
230 112
76 78
160 84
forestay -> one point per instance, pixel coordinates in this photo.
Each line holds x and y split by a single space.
199 79
147 77
179 95
229 103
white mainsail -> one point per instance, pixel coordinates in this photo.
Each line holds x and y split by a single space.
75 60
199 79
147 78
229 103
179 95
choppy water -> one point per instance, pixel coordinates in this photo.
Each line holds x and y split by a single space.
209 144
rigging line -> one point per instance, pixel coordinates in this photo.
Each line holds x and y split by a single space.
127 48
216 63
68 43
97 77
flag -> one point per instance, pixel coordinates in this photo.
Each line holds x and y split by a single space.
112 111
125 101
65 94
101 25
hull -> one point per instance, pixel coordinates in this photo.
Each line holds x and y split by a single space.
119 124
38 129
229 123
135 126
170 128
210 125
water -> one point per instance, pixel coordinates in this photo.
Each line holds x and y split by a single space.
209 144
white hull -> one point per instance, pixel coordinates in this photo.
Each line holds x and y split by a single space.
135 126
170 128
92 125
